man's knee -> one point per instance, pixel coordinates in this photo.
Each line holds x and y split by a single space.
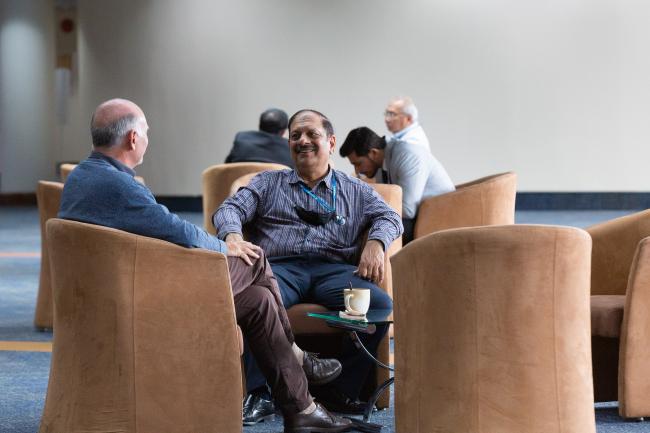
379 300
256 299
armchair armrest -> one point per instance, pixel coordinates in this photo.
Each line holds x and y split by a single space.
634 351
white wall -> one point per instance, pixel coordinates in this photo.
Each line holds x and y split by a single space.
557 90
27 139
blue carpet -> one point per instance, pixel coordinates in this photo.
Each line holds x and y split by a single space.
23 383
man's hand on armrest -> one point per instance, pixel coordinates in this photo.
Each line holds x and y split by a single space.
371 264
238 247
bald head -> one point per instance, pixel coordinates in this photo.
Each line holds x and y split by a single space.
113 119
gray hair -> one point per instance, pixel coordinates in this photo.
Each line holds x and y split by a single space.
109 135
409 107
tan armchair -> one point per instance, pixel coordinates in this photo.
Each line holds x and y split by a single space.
217 182
48 197
146 336
620 315
67 168
492 331
486 201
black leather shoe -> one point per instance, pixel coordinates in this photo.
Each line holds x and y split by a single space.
319 421
257 409
320 371
335 401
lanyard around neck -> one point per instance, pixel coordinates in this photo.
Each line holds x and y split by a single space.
319 200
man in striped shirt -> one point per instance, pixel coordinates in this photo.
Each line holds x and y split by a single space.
311 223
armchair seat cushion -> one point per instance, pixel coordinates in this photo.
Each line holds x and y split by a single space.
607 315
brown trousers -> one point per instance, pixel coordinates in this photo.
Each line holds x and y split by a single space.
265 325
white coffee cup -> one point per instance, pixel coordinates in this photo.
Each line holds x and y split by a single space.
357 301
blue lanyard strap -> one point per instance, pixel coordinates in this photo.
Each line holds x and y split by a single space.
319 200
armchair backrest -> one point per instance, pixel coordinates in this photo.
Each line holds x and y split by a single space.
392 195
140 324
241 182
48 197
614 245
217 181
492 331
66 169
486 201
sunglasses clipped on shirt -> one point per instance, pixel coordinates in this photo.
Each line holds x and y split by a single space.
318 218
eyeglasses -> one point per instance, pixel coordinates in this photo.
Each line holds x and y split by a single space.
391 114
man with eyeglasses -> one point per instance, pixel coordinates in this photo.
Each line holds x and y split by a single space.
311 223
401 118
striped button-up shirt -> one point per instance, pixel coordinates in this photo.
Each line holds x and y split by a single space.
267 207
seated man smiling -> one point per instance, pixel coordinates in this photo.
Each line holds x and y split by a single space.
311 224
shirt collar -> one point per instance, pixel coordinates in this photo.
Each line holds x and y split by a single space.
294 178
403 132
388 151
112 161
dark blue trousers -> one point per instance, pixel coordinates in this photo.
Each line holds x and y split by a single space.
318 280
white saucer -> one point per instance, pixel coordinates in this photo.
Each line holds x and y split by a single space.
344 315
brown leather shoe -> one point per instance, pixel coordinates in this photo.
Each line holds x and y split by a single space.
319 421
320 371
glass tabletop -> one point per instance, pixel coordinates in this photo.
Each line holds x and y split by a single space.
373 317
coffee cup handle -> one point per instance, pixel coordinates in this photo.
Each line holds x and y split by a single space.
346 300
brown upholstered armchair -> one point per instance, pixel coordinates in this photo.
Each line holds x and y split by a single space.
486 201
492 331
620 315
48 197
313 334
67 168
146 337
217 181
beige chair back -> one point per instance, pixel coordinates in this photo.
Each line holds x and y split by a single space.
145 339
48 197
66 169
486 201
492 331
217 184
615 243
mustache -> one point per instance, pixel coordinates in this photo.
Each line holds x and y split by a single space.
305 148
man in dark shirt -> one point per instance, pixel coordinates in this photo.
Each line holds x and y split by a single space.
102 190
266 145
